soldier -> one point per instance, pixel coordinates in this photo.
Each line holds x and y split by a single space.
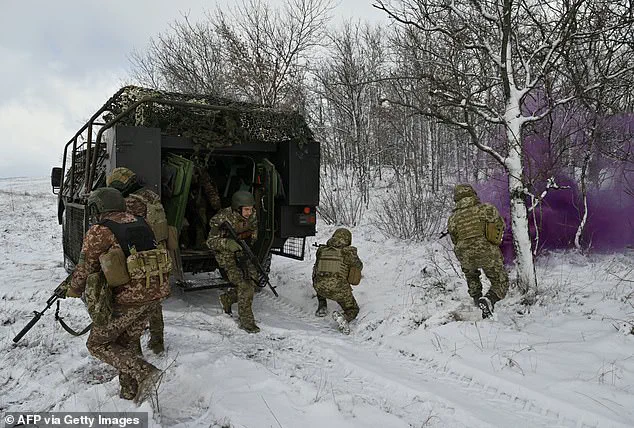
137 200
330 277
476 230
203 204
114 341
242 217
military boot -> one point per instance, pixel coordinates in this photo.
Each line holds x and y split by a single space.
226 303
342 324
321 311
156 345
249 327
486 306
148 387
128 387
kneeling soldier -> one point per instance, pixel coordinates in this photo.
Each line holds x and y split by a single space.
337 266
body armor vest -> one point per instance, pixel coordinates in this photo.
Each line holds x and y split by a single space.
469 225
331 262
137 234
138 257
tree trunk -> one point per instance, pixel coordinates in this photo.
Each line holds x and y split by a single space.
526 278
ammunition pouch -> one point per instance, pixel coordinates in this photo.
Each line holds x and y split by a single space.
494 232
354 276
114 267
149 263
98 298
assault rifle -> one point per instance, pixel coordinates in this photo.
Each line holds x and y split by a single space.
246 251
58 293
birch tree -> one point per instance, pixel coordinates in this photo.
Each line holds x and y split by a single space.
500 61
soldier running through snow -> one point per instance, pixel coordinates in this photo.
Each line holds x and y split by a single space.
240 272
115 334
476 231
143 202
331 277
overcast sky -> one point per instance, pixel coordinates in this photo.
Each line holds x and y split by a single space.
61 60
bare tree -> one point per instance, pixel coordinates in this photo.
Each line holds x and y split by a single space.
267 48
500 61
346 85
187 58
253 52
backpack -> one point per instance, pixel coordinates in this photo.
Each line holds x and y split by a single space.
155 217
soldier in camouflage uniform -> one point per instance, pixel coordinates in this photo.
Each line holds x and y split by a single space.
203 203
137 199
330 277
466 226
115 341
242 217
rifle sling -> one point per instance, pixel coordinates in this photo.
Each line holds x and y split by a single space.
67 327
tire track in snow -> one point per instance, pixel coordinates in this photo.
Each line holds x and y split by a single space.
502 399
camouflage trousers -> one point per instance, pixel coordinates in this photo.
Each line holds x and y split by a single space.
116 344
333 288
156 329
244 289
479 254
156 324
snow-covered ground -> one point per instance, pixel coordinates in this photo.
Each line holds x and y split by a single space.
418 356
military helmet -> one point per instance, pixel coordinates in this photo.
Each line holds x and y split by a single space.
122 179
242 198
462 191
343 236
104 200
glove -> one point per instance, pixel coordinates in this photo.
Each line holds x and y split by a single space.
233 246
246 235
72 293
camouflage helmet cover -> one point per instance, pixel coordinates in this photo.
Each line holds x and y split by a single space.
105 199
242 198
462 191
342 236
121 178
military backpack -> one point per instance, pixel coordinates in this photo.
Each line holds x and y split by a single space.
155 217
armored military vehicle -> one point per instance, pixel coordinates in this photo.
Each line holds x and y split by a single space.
171 140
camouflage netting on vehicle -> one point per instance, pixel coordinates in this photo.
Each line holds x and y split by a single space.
232 123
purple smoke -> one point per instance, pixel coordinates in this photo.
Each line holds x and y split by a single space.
610 222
